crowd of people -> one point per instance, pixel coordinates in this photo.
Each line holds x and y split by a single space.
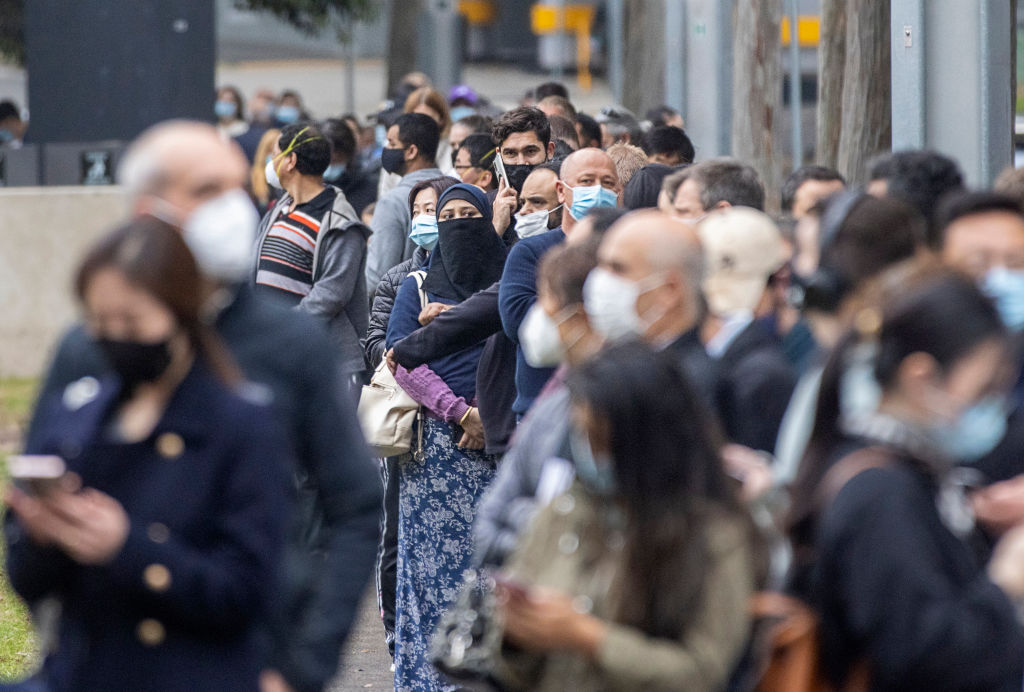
642 403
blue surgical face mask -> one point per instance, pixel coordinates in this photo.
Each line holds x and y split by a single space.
287 114
334 171
225 109
424 231
1006 289
975 433
859 391
460 112
596 475
590 197
6 136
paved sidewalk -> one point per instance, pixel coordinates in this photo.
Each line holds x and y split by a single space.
366 664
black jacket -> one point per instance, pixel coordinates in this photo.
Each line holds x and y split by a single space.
473 320
755 382
383 302
207 494
894 585
698 366
290 360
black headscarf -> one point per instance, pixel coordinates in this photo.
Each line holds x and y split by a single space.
469 256
643 188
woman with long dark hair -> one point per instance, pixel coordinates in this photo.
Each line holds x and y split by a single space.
639 576
880 521
162 539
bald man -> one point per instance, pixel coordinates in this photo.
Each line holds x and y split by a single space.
184 173
588 180
661 259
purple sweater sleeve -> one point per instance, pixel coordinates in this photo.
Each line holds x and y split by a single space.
423 385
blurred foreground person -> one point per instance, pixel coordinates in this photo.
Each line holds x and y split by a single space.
639 576
162 540
184 172
880 518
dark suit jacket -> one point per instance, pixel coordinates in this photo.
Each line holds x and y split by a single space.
755 382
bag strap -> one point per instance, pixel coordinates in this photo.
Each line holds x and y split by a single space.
849 467
420 277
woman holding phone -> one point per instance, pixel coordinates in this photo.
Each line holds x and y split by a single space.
161 540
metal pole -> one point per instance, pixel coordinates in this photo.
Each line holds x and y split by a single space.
615 48
350 73
675 54
795 105
908 78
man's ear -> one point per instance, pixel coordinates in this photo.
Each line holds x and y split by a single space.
411 152
485 179
560 191
551 150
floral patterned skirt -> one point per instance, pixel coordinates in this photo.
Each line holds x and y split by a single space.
438 498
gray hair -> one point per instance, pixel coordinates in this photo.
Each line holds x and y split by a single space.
721 180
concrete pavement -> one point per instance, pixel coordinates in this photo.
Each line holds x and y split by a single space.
365 664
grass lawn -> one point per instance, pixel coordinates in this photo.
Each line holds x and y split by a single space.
17 643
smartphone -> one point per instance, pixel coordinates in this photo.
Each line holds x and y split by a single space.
36 473
499 168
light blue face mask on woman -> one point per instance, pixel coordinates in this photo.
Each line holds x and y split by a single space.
975 433
424 231
1006 289
597 477
590 197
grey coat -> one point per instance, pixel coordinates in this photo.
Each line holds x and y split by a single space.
338 296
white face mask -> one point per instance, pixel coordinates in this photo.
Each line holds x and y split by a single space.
533 223
221 233
610 302
271 174
539 338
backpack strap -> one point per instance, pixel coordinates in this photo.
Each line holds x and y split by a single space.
420 277
849 467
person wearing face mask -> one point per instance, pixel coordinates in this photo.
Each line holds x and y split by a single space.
289 110
450 467
474 162
346 171
231 123
162 537
638 576
983 236
423 203
311 247
410 151
541 211
742 250
887 563
588 181
522 137
184 172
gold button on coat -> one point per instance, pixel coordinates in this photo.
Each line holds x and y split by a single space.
150 632
158 533
157 577
170 445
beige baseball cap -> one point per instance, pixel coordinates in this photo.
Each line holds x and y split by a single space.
742 248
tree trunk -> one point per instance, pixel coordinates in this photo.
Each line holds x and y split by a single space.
867 98
403 24
644 55
831 61
757 91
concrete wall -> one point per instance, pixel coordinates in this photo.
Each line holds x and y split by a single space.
43 234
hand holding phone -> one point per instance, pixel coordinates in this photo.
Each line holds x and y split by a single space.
36 474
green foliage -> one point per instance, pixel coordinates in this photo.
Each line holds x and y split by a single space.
12 30
313 16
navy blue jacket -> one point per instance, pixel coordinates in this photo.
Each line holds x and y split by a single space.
207 494
334 535
517 293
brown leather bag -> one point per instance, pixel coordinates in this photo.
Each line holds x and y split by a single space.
787 629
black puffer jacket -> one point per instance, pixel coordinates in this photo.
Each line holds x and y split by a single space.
383 301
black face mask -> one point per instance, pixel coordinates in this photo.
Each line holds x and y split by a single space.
518 173
392 160
134 362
